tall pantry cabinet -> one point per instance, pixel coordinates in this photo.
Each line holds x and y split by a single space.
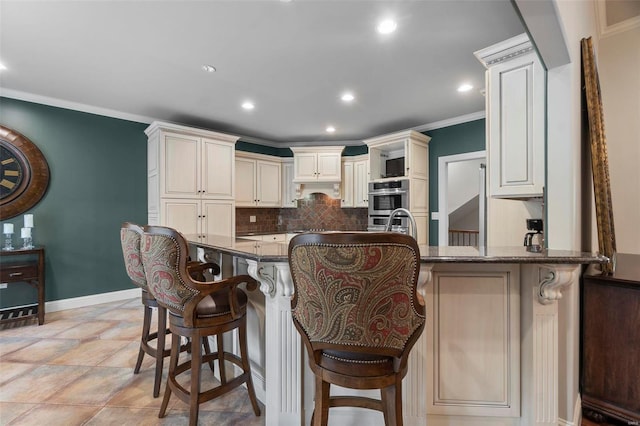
190 176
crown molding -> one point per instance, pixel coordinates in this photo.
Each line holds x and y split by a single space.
478 115
75 106
505 50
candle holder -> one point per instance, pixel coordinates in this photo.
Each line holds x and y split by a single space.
27 243
8 242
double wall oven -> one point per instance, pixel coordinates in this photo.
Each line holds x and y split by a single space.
385 197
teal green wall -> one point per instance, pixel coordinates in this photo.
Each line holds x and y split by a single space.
98 180
458 139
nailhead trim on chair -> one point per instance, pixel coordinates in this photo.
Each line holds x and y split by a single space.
354 361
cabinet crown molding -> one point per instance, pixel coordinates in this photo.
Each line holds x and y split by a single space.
186 130
337 149
397 137
505 50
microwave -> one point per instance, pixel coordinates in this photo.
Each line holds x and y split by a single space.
394 167
385 197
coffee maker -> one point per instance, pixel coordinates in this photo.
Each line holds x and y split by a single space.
534 240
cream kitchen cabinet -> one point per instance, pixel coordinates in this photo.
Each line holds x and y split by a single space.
289 198
355 181
258 181
317 164
515 100
190 179
409 145
199 217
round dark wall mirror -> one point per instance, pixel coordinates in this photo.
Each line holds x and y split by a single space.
24 174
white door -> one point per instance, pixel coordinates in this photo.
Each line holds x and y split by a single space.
329 166
305 166
182 215
218 218
245 182
268 184
347 184
217 169
180 160
361 184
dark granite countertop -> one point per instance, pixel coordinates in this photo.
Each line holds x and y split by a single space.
262 251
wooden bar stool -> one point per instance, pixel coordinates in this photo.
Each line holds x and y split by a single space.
356 308
130 238
197 309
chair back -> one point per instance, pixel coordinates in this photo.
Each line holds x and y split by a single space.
130 237
356 292
165 254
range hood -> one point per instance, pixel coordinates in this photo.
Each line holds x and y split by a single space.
304 189
317 169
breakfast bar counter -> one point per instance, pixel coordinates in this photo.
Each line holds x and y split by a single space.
489 354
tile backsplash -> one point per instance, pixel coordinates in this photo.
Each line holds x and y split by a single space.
318 211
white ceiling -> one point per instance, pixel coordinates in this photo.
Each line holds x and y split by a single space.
293 59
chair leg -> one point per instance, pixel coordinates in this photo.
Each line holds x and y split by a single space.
162 330
220 349
207 351
246 365
392 404
196 364
144 339
173 363
321 410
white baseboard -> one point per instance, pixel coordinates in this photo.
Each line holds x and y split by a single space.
94 299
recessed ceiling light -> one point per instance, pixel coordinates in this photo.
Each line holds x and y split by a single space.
248 105
387 26
2 67
330 129
465 87
347 97
208 68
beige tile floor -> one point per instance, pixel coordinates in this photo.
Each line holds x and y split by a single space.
77 369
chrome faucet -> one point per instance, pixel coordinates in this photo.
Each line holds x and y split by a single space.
414 229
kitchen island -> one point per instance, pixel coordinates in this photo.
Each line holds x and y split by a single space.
488 355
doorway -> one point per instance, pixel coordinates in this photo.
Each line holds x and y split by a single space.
461 199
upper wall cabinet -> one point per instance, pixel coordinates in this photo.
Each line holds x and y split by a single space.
191 162
399 155
355 181
515 81
190 179
258 181
317 164
288 187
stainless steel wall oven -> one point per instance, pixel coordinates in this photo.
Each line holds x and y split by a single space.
385 197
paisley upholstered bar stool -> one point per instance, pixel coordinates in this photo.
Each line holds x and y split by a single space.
197 309
356 308
130 237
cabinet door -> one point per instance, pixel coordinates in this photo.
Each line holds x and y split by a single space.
361 183
516 128
181 166
288 188
182 215
268 184
417 160
245 182
329 166
217 169
305 166
219 218
347 184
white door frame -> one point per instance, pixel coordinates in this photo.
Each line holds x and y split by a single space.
443 180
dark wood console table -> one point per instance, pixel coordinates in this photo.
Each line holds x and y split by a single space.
610 344
25 271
